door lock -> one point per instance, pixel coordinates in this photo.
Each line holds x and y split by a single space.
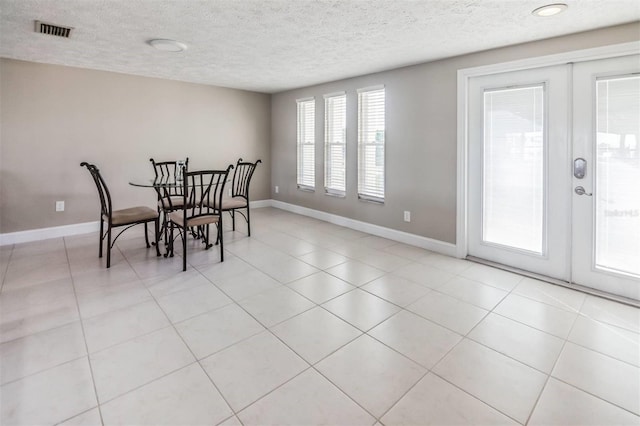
579 168
580 191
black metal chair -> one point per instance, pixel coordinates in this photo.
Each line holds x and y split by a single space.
201 190
240 193
117 218
170 198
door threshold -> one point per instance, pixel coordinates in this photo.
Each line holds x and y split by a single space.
555 281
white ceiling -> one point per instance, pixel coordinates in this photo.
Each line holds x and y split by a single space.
274 45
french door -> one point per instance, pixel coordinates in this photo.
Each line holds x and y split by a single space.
554 172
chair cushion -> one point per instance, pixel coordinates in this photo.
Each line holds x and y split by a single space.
234 203
177 201
178 218
132 215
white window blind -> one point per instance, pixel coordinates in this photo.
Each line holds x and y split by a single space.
335 127
371 140
306 144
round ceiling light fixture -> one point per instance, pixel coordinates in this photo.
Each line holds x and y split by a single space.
167 45
550 10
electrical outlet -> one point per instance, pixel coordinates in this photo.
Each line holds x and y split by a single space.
407 216
277 189
59 206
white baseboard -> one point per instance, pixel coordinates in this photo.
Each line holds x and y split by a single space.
46 233
391 234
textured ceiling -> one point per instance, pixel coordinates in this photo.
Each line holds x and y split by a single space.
274 45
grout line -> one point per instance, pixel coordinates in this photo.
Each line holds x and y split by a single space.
84 335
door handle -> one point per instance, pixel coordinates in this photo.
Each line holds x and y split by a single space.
580 191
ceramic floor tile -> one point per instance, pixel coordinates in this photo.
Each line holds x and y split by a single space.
446 263
215 330
526 344
231 421
88 418
433 401
361 309
85 282
474 292
538 315
38 352
396 290
307 399
124 324
416 338
288 270
448 312
610 312
276 305
167 284
185 397
355 273
112 298
424 275
608 339
48 397
406 251
564 405
128 365
34 319
44 293
555 295
383 260
152 266
315 334
607 378
185 304
323 259
22 277
372 374
320 287
507 385
376 242
492 276
231 267
250 369
246 284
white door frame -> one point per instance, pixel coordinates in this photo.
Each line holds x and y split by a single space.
465 74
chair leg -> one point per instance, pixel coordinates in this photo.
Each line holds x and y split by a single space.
184 249
146 235
233 219
157 234
109 247
101 237
219 225
248 220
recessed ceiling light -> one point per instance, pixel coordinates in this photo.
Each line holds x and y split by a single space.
167 45
550 9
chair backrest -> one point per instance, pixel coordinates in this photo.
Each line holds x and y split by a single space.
167 168
204 189
103 190
242 178
167 171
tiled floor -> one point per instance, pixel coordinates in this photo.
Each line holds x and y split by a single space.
304 323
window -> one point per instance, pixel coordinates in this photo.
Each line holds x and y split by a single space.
306 144
371 141
335 127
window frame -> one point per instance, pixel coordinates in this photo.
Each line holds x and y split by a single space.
305 137
364 130
329 143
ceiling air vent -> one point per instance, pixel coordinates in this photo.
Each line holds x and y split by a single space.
54 30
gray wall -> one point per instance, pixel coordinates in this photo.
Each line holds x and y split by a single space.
54 117
421 136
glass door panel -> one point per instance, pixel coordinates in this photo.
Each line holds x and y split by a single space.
513 168
617 204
